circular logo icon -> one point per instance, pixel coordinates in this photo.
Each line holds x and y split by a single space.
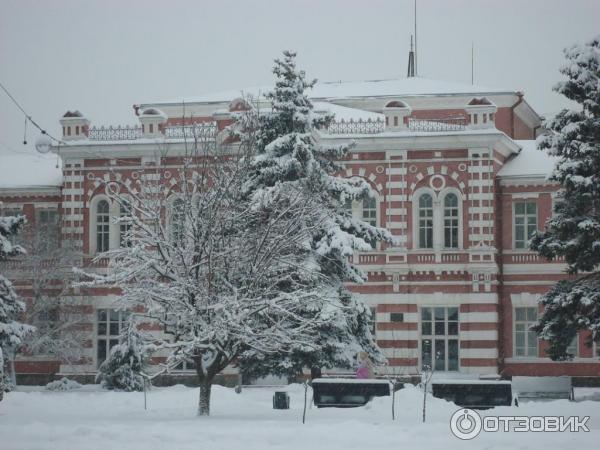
465 424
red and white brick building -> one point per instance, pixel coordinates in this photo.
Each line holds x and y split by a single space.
459 182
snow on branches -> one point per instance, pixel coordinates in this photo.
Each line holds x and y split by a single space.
289 160
574 230
12 332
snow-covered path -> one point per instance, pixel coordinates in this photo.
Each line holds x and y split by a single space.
94 419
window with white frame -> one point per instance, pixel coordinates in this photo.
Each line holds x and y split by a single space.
177 220
365 210
573 348
439 338
425 221
369 214
110 323
525 223
13 212
451 212
47 222
526 341
124 224
373 320
102 226
437 222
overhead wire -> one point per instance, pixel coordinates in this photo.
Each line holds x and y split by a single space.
28 117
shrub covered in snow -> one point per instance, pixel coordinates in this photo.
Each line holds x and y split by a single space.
125 363
64 384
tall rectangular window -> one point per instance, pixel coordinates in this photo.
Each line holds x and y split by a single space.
16 239
439 338
369 214
526 341
125 225
102 226
47 224
451 221
525 223
373 320
425 221
110 323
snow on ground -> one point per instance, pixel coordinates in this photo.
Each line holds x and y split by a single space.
90 418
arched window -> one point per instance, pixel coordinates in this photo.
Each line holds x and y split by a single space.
102 226
425 221
124 225
451 213
177 220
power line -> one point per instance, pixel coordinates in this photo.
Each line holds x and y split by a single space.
27 116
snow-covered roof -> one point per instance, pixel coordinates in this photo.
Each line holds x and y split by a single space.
530 162
344 113
414 86
28 170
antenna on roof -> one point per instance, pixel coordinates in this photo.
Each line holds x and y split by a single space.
411 60
415 74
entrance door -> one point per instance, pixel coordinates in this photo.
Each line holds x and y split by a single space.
439 338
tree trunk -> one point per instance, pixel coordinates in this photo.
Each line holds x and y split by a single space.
204 400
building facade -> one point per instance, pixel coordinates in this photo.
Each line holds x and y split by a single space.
458 179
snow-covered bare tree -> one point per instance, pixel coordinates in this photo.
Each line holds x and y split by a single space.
209 265
574 230
12 331
289 158
51 306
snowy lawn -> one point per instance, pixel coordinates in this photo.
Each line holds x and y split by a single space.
90 418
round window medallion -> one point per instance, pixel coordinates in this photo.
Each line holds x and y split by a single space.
112 188
167 174
462 167
135 175
437 182
90 176
379 169
412 169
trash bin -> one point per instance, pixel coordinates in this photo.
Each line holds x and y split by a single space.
281 400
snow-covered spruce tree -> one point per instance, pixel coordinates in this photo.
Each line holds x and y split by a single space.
126 362
208 264
574 231
289 159
12 332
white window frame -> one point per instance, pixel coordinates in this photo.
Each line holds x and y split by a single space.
446 337
514 221
114 228
47 243
169 214
438 218
358 212
459 217
527 323
123 317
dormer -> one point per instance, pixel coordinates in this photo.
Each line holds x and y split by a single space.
396 113
74 126
152 121
482 113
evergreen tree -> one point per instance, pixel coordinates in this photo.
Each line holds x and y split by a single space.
574 231
290 162
12 332
127 360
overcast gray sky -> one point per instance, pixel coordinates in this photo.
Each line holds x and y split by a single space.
103 56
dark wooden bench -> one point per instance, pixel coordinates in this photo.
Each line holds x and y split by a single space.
475 394
347 392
